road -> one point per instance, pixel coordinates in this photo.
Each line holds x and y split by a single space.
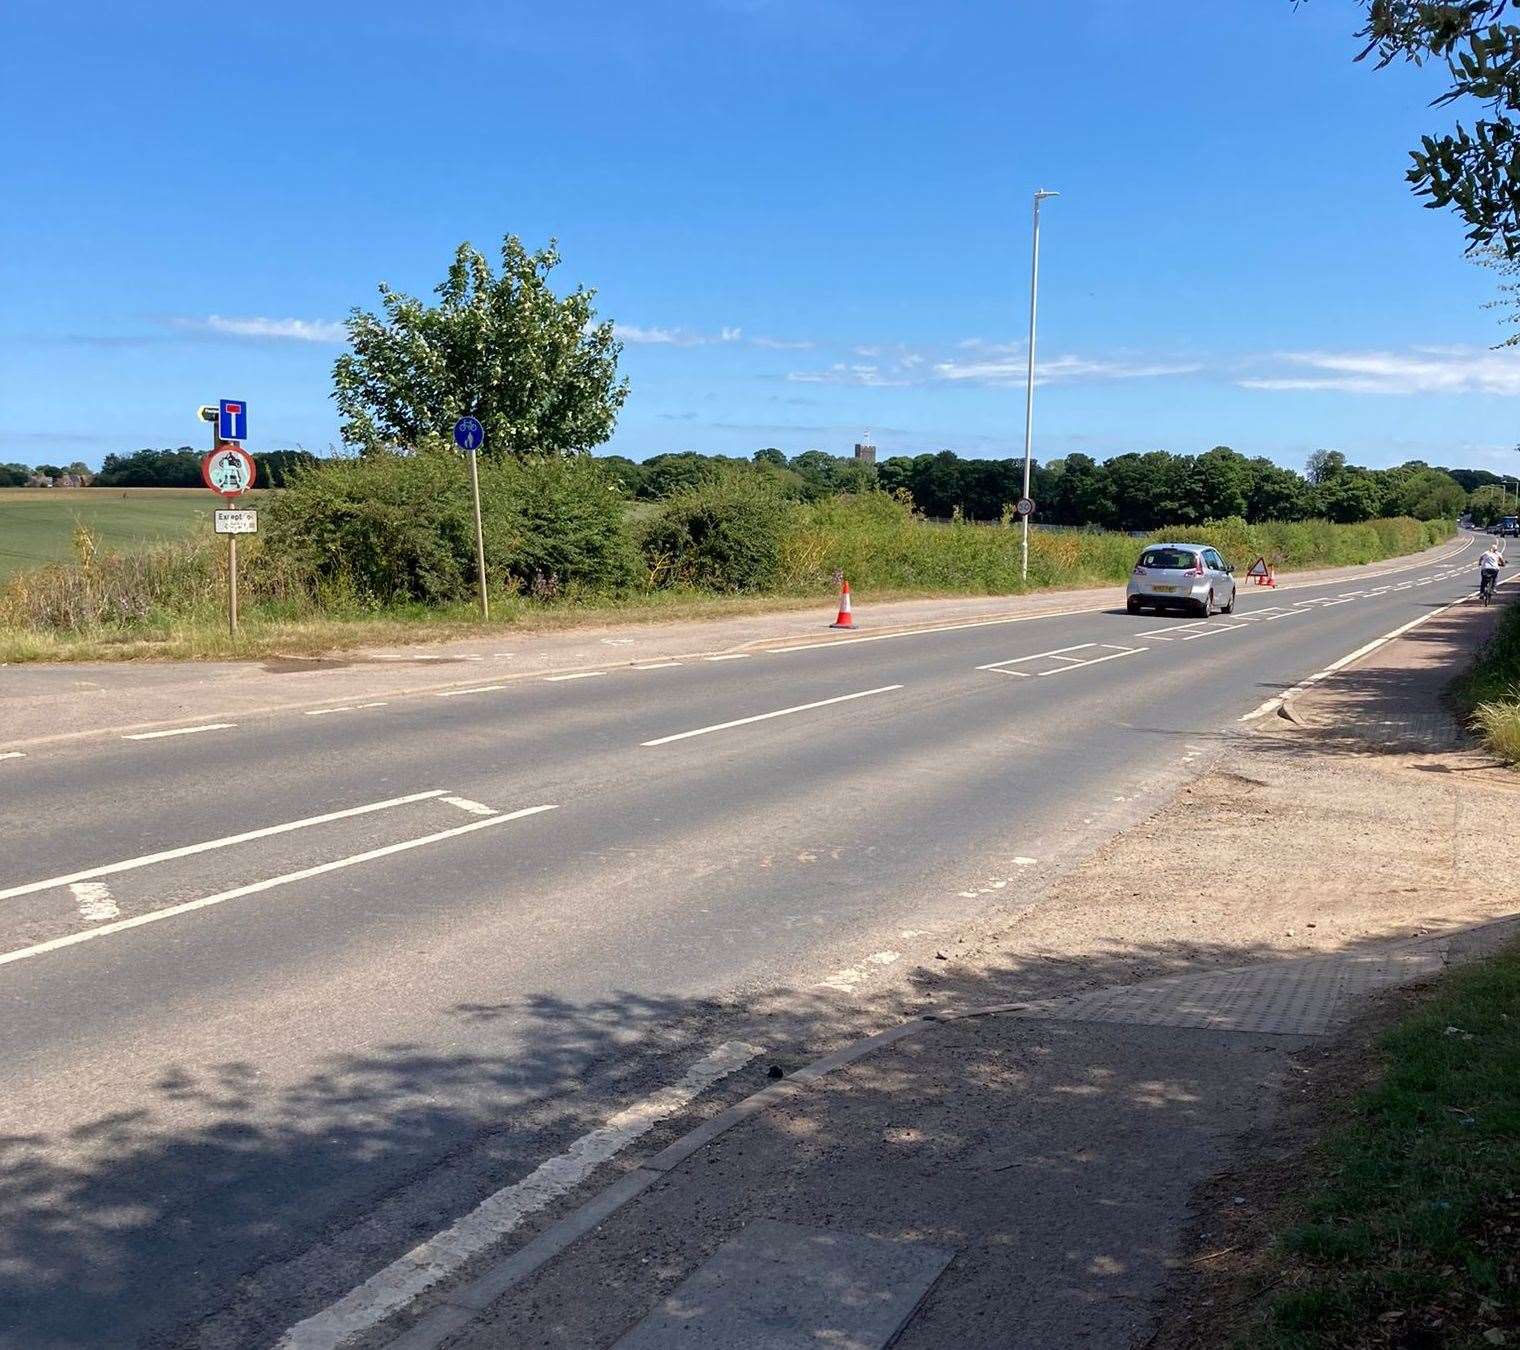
284 998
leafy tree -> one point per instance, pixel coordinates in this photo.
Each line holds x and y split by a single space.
623 473
1217 484
14 475
1487 504
50 471
1083 495
1474 172
1350 496
533 367
151 468
665 475
771 455
1324 465
1276 493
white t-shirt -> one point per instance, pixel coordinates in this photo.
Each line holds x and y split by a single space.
1490 561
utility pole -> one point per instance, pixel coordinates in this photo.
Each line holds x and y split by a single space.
1034 296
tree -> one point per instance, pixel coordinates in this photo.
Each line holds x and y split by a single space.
771 455
50 471
1324 465
1350 496
1217 484
1474 172
14 475
538 373
1487 504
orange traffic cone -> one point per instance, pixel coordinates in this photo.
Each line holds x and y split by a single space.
845 619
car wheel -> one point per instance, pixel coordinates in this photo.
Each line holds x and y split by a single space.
1230 608
1203 608
1132 605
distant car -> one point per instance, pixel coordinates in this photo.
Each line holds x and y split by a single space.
1508 526
1181 576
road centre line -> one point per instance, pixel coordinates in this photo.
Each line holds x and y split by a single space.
226 841
179 731
574 675
728 656
305 874
478 689
12 754
660 665
765 717
407 1278
474 808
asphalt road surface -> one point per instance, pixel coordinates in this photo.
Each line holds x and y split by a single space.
282 1000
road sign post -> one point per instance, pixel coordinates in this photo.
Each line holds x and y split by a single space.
229 471
469 436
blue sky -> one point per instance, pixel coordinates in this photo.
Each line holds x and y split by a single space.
809 220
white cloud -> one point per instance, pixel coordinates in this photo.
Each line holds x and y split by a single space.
278 330
1421 370
682 337
1058 370
869 376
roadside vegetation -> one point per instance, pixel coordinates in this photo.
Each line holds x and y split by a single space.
1492 690
380 548
1406 1232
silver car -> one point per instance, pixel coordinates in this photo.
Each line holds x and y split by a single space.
1188 576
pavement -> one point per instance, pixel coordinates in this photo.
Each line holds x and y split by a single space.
299 991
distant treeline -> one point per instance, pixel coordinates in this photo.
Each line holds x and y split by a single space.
182 468
1127 492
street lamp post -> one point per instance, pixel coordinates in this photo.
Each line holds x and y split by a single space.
1034 295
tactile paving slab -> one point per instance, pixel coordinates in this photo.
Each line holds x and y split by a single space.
1291 998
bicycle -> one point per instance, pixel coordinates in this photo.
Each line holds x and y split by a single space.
1486 586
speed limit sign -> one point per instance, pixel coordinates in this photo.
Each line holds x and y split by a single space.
1025 506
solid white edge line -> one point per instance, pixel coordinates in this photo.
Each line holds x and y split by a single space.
478 689
187 850
389 1290
253 888
728 656
659 665
573 675
179 731
1275 702
765 717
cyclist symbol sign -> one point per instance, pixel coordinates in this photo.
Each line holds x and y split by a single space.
228 470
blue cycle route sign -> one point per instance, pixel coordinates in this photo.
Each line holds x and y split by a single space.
469 434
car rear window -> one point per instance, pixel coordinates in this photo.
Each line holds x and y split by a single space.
1177 558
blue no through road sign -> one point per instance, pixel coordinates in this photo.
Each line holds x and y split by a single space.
469 434
232 420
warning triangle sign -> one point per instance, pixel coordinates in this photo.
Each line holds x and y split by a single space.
1257 568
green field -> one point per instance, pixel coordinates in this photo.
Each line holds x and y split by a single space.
37 524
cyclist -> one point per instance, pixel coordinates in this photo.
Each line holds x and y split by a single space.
1488 569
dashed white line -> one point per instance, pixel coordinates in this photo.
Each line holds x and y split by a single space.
728 656
660 665
148 859
479 689
12 754
474 808
765 717
574 675
254 888
407 1278
179 731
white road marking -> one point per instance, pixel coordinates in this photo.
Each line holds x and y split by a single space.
884 958
254 888
574 675
1070 662
179 731
12 754
659 665
480 689
95 901
1274 703
765 717
1024 862
147 859
728 656
407 1278
322 712
475 808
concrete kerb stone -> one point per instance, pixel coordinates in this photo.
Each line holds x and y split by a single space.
459 1306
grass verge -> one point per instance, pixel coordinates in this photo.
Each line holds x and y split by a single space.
1407 1232
1492 690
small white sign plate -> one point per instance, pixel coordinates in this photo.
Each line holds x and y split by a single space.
237 522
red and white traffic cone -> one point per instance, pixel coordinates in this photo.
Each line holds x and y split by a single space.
846 619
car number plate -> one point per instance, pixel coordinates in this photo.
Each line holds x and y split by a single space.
1167 589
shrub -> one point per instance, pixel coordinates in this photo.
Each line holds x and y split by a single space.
723 535
401 527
